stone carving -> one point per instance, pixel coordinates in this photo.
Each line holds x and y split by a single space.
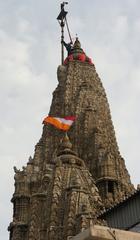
16 170
61 75
63 188
17 233
34 222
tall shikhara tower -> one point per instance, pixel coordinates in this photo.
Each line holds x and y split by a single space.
70 180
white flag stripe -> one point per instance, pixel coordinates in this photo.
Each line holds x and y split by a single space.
62 120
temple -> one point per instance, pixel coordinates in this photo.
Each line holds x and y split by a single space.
72 179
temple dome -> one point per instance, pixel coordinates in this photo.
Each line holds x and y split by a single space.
77 53
66 155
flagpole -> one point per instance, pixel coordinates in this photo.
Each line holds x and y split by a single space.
62 39
61 19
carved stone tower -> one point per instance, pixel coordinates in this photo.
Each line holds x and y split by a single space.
56 194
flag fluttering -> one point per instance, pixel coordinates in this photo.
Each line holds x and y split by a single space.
60 123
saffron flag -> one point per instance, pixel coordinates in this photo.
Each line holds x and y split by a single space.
60 123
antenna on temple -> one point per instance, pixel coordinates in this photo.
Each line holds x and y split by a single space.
62 19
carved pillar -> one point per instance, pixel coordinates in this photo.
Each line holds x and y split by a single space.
18 231
21 204
36 211
55 205
70 213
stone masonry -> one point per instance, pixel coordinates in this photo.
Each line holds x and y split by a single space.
64 187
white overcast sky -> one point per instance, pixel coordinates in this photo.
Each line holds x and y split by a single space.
109 31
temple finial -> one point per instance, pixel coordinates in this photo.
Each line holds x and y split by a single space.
66 144
77 43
